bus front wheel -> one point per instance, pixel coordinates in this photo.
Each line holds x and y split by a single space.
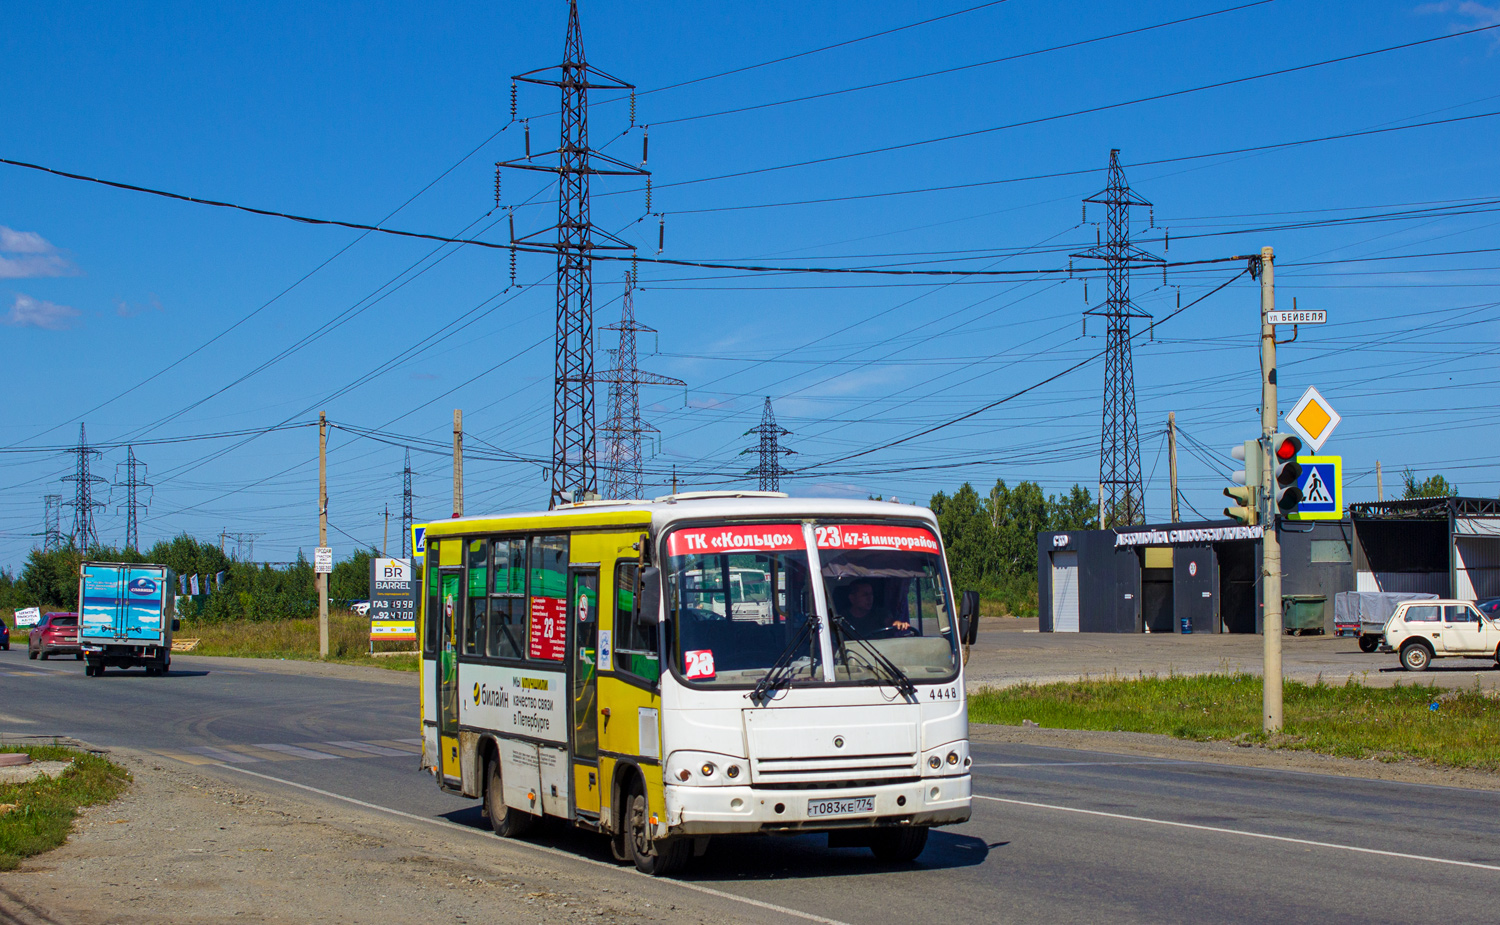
507 822
657 857
899 844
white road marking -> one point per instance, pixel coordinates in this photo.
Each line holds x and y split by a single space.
1073 764
1240 832
696 888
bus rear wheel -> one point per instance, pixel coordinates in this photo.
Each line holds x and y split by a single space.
507 822
899 844
657 857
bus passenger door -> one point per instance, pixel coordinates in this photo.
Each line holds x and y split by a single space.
583 640
447 673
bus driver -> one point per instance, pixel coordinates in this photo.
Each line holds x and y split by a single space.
866 619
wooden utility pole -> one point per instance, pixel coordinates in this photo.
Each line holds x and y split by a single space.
322 531
1172 458
1271 627
458 463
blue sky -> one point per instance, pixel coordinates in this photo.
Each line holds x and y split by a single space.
347 112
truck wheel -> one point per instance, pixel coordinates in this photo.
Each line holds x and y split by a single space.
507 822
78 657
899 845
31 654
657 857
1416 656
1369 643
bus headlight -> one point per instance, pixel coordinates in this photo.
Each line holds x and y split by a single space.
703 769
934 762
708 769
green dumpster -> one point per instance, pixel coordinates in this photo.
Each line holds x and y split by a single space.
1302 614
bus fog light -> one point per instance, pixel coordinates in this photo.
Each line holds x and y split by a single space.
901 801
684 774
736 803
953 757
707 769
933 793
934 762
732 771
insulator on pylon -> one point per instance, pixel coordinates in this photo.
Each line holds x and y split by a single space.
1085 218
1085 291
648 195
1151 212
512 101
661 234
1179 298
511 216
635 270
528 139
1166 240
1097 240
512 266
497 186
1070 266
645 143
632 106
1163 274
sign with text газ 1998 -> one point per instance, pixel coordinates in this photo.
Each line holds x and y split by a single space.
393 600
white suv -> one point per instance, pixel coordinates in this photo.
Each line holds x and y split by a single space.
1424 630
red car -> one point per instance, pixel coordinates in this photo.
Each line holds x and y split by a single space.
57 634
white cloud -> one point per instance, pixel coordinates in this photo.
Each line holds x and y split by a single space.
26 312
28 255
125 310
1478 14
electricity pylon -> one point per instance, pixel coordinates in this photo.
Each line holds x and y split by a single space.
624 427
769 471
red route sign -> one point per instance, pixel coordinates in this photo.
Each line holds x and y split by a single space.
548 628
874 536
748 538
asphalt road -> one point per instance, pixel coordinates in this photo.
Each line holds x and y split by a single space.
1057 834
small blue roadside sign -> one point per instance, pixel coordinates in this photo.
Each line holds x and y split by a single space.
1322 485
419 542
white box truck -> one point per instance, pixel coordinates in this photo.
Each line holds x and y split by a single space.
125 616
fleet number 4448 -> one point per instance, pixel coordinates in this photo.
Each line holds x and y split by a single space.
943 693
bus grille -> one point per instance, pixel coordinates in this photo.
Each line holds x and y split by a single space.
830 768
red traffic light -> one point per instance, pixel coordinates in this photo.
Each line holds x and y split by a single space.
1288 448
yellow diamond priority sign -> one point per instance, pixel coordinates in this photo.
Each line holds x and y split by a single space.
1313 418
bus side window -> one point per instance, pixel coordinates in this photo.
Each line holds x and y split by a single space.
434 603
635 641
477 609
508 599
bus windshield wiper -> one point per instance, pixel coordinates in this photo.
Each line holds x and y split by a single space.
890 669
780 673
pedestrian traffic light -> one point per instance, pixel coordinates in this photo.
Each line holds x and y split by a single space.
1247 484
1284 450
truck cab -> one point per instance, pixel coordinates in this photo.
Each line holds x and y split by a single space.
1421 631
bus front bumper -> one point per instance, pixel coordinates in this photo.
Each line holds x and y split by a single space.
726 810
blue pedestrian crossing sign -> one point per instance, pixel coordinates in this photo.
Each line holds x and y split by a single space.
419 542
1322 485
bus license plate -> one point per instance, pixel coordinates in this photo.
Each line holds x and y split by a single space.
847 806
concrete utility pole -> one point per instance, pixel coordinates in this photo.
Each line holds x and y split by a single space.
1271 544
1172 458
1379 483
385 540
322 531
458 463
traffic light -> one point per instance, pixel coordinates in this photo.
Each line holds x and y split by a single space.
1247 483
1284 450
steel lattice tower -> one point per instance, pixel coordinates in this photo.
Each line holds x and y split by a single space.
133 487
406 508
84 536
623 430
1121 488
52 527
770 470
574 473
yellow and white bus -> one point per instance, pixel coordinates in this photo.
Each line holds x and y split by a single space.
582 663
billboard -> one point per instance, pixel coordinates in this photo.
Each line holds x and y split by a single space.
393 600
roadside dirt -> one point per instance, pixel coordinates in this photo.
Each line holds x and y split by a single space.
184 847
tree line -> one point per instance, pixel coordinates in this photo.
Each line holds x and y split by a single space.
229 589
991 539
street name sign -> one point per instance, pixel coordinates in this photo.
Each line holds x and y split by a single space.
1322 484
1313 418
1296 316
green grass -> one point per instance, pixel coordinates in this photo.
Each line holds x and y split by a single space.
1348 720
44 809
348 640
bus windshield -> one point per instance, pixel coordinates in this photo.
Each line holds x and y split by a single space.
740 598
887 588
734 613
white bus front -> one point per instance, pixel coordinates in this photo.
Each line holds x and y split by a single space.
835 703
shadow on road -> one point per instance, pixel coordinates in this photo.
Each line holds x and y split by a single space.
761 857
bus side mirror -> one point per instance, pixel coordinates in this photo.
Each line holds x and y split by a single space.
648 610
968 617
